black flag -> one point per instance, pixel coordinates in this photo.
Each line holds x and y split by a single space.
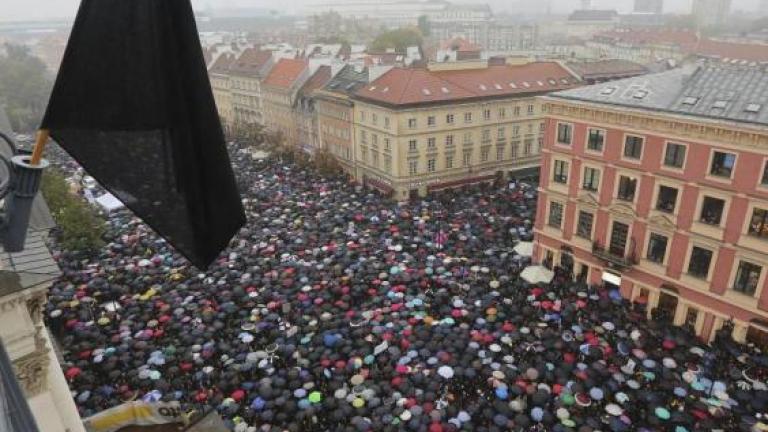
133 105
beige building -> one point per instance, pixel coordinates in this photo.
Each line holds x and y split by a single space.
218 74
422 130
245 76
280 91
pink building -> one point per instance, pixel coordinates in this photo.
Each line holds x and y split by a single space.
659 185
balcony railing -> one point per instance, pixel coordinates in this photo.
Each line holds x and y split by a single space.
618 261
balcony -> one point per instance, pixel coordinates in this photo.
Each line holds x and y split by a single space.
613 258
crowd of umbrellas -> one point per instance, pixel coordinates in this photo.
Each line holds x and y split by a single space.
335 309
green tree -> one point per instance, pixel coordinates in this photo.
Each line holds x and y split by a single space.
25 86
80 227
399 39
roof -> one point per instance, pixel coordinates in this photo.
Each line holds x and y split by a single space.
712 90
593 15
223 63
732 50
347 80
401 86
650 36
321 76
34 265
460 44
606 68
250 62
285 73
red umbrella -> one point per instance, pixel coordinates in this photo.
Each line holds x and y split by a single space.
72 372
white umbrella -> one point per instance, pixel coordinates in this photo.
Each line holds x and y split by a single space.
524 249
537 274
445 372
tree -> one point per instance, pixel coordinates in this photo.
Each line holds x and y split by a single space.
398 39
424 26
80 227
25 86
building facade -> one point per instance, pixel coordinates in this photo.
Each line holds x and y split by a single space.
245 76
218 74
423 130
711 13
659 185
306 110
280 91
335 112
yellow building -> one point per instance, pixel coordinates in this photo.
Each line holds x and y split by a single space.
218 74
280 91
421 130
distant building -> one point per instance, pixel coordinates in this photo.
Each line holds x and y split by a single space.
280 90
392 13
458 49
597 71
218 74
470 22
245 76
711 13
658 185
585 23
649 6
335 112
421 130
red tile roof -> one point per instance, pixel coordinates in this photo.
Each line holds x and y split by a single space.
320 78
733 50
285 73
651 36
402 86
223 63
250 62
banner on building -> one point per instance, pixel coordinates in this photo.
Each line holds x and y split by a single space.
134 414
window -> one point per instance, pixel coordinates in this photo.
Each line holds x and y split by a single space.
499 153
364 154
691 316
449 161
467 138
500 133
514 147
627 188
362 116
555 214
531 109
484 154
584 227
591 179
467 158
375 158
758 225
542 126
722 164
412 145
764 180
517 110
667 199
375 140
449 118
388 163
486 114
595 140
486 135
564 131
619 235
468 117
502 113
431 165
657 248
386 122
712 210
449 140
674 156
515 130
363 137
412 123
747 278
431 143
413 167
561 172
386 144
527 146
699 264
374 118
633 147
431 121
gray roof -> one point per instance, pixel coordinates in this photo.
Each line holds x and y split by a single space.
713 90
347 80
593 15
34 265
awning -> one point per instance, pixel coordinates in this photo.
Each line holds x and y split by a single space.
461 182
612 278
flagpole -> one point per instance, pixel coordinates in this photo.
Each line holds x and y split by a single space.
37 153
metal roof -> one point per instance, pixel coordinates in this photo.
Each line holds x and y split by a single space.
717 90
34 265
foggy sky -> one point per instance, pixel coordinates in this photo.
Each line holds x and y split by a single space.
15 10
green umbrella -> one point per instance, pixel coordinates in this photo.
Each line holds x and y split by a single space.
315 397
568 399
662 413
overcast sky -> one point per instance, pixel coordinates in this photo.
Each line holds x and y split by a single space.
13 10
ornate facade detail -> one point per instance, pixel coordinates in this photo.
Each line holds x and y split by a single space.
32 372
623 210
662 222
587 199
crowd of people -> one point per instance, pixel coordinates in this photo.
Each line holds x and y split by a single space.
336 309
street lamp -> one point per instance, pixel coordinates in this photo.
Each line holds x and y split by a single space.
19 183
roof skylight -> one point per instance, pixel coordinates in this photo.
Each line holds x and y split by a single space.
640 94
445 90
753 108
690 100
497 86
483 87
720 104
608 91
426 92
513 85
